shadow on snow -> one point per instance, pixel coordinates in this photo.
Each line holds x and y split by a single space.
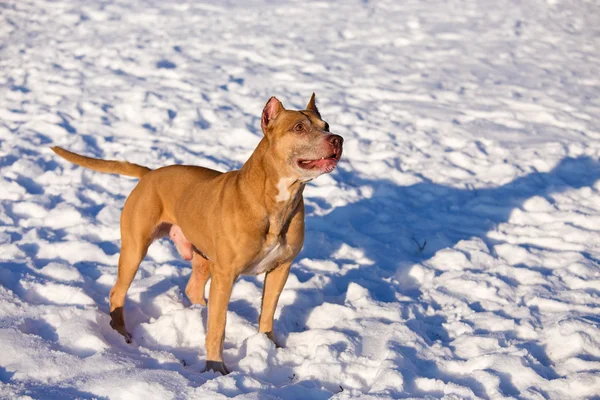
399 226
395 228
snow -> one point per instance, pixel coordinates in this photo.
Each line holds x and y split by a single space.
454 252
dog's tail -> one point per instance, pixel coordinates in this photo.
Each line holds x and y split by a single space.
108 166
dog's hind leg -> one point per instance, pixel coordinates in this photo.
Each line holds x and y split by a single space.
218 300
200 275
129 261
138 224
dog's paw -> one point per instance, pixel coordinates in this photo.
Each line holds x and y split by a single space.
117 322
271 337
195 296
122 331
196 299
127 336
216 366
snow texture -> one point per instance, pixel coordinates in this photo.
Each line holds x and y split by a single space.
454 253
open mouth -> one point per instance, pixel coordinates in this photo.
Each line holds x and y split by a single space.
324 163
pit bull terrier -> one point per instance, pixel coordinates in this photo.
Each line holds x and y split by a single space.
249 221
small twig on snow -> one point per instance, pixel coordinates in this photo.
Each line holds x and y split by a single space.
421 247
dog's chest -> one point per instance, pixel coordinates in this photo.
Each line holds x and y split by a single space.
272 256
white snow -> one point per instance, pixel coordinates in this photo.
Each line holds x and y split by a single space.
454 253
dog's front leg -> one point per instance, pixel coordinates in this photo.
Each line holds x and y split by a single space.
218 300
274 283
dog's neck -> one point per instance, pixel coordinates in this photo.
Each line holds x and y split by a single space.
264 182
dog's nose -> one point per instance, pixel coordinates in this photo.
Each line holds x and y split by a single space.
336 140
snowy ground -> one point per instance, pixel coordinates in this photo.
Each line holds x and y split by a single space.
455 251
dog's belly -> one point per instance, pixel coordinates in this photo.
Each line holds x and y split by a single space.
268 262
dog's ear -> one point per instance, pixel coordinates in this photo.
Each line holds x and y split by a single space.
270 112
312 105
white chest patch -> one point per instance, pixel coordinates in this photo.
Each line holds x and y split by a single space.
283 186
268 261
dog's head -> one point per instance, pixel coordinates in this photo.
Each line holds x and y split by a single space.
301 138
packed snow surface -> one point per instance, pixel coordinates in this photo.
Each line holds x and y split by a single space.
454 253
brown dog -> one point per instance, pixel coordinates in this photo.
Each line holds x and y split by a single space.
249 221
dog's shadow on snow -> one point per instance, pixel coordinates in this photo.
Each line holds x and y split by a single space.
399 226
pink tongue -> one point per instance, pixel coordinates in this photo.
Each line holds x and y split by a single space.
324 163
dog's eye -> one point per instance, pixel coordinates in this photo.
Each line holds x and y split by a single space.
299 127
326 127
